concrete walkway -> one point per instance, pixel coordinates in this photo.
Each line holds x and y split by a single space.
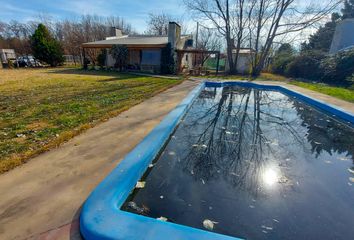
42 198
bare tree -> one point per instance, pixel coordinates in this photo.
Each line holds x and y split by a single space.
158 23
208 40
273 19
223 16
257 23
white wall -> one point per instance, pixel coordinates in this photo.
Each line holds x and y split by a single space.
243 63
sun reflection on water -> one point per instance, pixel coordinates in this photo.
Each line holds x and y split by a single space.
270 176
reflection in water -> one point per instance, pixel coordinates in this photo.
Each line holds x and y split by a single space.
259 163
270 176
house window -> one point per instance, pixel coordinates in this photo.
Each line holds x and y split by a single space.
151 57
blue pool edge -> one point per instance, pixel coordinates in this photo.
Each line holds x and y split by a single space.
101 217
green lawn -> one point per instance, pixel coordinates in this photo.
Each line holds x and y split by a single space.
41 108
344 93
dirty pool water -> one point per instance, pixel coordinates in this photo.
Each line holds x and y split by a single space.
253 164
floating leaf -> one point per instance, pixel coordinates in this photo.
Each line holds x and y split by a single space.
267 228
171 153
162 219
208 224
140 185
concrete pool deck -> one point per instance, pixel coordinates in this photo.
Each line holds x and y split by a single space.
42 199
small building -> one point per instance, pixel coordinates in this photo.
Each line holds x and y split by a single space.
244 60
6 56
144 50
343 36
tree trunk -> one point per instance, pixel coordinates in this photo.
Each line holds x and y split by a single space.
230 45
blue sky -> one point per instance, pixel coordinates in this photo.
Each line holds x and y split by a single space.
133 11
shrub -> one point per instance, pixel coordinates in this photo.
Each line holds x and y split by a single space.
120 54
45 47
306 65
339 68
280 64
101 58
283 56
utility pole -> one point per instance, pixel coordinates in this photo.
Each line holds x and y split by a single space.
196 45
196 36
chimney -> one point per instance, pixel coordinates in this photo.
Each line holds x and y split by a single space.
174 34
115 32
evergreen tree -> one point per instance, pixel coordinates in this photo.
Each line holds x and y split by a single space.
348 10
282 57
322 39
120 54
45 47
167 60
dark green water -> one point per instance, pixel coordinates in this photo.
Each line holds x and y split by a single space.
260 164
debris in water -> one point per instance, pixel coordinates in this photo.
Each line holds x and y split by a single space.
252 206
264 231
283 179
174 137
199 146
351 170
228 132
192 172
151 165
327 161
202 180
267 228
136 208
140 185
210 208
317 143
162 219
161 197
343 159
208 224
351 179
275 220
171 153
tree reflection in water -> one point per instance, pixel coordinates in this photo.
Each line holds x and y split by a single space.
253 160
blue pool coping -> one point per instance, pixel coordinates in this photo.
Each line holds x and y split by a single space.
101 217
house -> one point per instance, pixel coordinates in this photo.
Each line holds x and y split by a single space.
144 50
244 60
343 36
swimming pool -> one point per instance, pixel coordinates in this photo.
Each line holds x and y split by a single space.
234 160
